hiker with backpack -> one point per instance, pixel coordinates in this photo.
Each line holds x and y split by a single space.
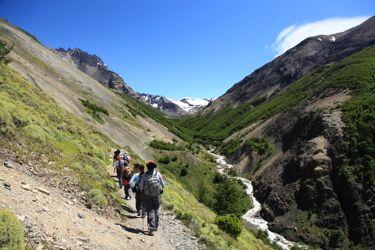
134 183
126 175
152 185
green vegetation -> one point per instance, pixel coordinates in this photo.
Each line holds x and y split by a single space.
354 72
259 145
158 144
231 198
98 198
137 107
230 224
4 51
221 194
32 123
94 110
359 146
201 220
11 231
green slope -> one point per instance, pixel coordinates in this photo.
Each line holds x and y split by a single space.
354 73
33 124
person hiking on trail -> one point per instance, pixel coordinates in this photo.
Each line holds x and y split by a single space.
126 175
116 157
121 164
152 185
134 184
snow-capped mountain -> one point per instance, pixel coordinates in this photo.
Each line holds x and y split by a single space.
174 107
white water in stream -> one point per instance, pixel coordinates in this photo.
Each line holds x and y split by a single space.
252 216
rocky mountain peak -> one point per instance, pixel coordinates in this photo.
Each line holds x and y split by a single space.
94 66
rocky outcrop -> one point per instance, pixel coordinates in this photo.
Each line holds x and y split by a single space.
93 66
302 59
303 196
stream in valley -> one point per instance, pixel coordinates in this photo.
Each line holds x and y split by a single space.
252 216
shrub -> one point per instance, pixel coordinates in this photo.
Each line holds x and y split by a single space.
98 198
35 132
11 231
185 217
230 224
184 171
158 144
4 51
94 110
165 159
230 198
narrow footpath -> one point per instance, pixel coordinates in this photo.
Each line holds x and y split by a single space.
52 217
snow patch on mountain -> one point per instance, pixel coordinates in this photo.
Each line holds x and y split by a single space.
190 105
172 106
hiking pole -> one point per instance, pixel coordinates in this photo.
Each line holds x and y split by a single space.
143 219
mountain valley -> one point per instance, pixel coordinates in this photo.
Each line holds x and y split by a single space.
301 129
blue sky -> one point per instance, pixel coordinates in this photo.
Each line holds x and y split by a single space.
181 48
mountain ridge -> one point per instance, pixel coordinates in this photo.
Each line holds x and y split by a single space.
308 55
94 66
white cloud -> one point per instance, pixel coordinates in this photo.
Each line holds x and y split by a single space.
294 34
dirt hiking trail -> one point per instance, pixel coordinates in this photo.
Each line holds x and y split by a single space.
51 218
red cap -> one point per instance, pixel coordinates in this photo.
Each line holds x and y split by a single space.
150 163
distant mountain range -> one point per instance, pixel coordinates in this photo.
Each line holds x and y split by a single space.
94 66
175 107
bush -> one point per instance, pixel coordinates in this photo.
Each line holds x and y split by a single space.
230 198
4 51
35 132
94 110
230 224
158 144
164 159
11 231
185 217
98 198
184 171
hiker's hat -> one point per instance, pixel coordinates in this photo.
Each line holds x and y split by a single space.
151 164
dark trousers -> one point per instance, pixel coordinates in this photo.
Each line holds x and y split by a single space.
139 201
151 206
127 193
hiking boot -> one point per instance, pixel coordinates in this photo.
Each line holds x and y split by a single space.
151 232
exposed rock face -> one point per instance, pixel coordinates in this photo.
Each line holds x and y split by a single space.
95 67
310 54
302 194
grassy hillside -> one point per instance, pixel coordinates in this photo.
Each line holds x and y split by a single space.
354 73
36 129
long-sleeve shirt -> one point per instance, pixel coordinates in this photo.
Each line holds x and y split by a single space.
135 179
158 177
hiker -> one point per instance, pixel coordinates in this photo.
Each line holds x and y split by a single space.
126 157
120 170
126 175
152 185
116 157
134 184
